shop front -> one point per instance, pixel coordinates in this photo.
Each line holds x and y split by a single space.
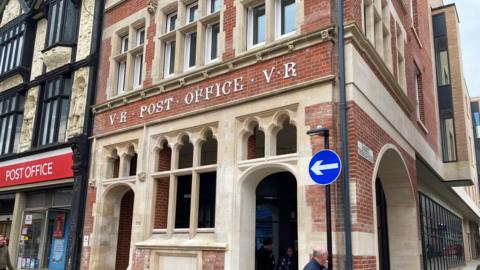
39 191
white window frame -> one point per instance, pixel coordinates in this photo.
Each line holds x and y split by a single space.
278 20
121 79
167 61
168 24
186 63
209 6
417 92
138 36
138 72
124 44
411 9
189 10
250 9
208 44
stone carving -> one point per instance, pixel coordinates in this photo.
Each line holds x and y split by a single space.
28 117
142 176
152 6
78 103
56 57
92 183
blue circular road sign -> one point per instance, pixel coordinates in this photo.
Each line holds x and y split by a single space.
325 167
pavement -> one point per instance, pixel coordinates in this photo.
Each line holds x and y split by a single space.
472 265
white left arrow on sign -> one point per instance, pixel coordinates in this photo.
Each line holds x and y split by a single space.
317 167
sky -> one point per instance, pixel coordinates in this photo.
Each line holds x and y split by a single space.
468 12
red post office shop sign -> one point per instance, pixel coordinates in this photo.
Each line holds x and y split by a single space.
53 165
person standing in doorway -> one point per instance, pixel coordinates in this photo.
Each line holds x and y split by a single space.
287 261
319 259
264 257
5 262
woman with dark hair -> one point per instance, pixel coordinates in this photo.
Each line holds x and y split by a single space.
287 261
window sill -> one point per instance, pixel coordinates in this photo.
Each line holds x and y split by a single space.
58 44
120 57
422 126
168 36
415 34
190 27
285 36
210 18
22 71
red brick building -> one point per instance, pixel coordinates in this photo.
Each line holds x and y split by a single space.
200 146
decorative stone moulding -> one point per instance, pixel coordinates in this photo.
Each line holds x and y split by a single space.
273 50
141 176
77 105
56 57
152 6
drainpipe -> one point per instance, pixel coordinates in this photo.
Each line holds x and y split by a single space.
344 135
81 144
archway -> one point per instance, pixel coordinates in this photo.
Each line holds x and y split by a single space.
395 214
111 249
276 212
251 179
124 231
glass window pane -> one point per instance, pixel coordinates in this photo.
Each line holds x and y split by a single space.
192 53
69 30
59 22
443 70
51 23
121 77
138 70
184 194
258 24
140 36
215 41
288 16
206 204
124 44
169 58
171 21
215 6
62 128
31 233
448 139
192 12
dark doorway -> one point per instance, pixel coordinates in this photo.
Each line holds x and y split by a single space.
382 226
124 231
276 212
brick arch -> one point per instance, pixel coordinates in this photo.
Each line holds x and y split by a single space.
402 217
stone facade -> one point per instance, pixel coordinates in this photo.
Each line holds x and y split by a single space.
244 101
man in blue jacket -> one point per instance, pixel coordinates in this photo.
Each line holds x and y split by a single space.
319 259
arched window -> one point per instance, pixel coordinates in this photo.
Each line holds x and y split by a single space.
287 138
256 144
164 158
185 154
133 165
130 167
209 150
113 170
